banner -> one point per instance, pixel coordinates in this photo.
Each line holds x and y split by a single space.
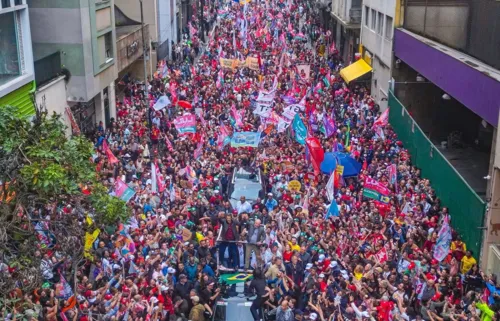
330 188
392 173
443 242
89 240
290 111
294 185
263 111
161 103
317 153
228 63
122 191
74 125
252 63
245 139
375 190
185 124
300 130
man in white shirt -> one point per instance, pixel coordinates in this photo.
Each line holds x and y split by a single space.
243 206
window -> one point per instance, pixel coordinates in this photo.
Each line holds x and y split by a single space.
5 4
373 18
18 2
10 66
105 46
380 23
367 15
388 27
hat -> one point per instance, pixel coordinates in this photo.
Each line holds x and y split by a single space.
195 299
313 316
182 276
309 266
321 258
322 276
269 194
434 262
216 191
333 264
171 270
164 288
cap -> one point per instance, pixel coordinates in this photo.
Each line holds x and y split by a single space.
322 276
333 264
309 266
171 270
269 194
182 276
313 316
321 258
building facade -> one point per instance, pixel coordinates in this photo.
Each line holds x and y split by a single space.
346 25
81 35
16 57
377 30
445 109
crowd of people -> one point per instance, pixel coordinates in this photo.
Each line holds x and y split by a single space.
321 249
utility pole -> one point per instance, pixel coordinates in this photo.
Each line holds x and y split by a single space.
146 93
202 23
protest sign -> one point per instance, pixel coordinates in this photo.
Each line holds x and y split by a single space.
185 124
245 139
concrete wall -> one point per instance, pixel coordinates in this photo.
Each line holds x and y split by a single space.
380 87
446 24
122 45
52 96
132 10
379 45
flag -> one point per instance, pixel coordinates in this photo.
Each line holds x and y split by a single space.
235 278
154 186
348 134
299 129
383 119
333 209
329 126
172 192
330 187
133 268
169 144
236 116
161 103
317 153
326 80
111 157
442 247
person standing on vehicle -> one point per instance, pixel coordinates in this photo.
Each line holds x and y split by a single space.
229 237
255 237
243 206
258 286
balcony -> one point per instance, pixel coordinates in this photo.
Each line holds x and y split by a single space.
355 15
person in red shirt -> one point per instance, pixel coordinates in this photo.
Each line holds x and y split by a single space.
155 135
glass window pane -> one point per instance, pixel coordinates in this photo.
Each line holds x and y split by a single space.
5 3
388 27
9 59
373 19
18 2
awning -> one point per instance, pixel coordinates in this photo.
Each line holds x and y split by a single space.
355 70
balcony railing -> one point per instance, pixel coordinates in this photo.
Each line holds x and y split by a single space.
355 15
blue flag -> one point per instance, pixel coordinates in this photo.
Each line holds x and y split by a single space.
299 129
333 210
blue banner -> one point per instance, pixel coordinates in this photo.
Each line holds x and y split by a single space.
245 139
299 129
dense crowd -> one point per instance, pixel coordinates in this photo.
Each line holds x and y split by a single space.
319 251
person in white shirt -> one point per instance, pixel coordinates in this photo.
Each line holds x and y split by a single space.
243 206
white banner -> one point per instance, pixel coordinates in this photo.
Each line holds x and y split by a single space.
161 103
330 189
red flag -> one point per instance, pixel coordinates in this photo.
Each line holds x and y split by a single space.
317 153
112 158
365 165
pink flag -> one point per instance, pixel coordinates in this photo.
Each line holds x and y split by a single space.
236 116
383 119
169 144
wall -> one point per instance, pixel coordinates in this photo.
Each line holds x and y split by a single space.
122 45
132 10
379 45
451 75
484 38
465 207
167 27
52 96
446 24
380 87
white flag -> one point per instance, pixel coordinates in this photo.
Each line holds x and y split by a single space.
154 187
330 189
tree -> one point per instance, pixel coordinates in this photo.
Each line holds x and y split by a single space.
42 203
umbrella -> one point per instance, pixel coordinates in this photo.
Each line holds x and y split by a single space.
351 166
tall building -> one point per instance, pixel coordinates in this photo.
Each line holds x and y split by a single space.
346 27
78 38
377 30
444 106
16 57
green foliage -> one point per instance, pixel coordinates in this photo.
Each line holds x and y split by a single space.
111 209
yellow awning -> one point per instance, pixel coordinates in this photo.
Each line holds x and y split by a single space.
355 70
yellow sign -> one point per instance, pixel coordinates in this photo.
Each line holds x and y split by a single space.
89 240
252 63
294 186
228 63
340 169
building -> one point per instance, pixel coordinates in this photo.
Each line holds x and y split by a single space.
444 105
163 18
17 83
77 38
346 25
377 30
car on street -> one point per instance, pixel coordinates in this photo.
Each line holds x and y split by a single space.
248 182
